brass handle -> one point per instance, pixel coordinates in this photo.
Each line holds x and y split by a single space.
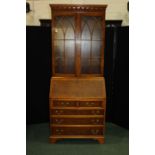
90 103
95 121
96 112
62 103
94 131
87 103
65 103
58 111
59 120
59 131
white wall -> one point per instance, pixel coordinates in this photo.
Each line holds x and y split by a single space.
117 9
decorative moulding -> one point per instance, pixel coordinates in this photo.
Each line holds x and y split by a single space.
78 7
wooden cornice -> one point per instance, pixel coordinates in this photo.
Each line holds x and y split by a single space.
77 7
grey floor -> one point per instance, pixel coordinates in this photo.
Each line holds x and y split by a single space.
117 142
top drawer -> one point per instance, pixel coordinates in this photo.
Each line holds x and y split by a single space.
64 104
78 103
90 104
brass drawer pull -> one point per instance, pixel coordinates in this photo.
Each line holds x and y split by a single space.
59 131
95 112
87 103
58 111
90 103
95 121
59 121
62 103
94 131
65 103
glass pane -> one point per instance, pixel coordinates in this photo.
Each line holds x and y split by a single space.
86 34
91 28
58 30
70 56
59 48
65 52
97 31
70 28
85 68
85 49
91 44
64 44
59 65
85 56
64 28
95 66
96 49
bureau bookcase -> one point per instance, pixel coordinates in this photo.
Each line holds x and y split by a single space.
77 97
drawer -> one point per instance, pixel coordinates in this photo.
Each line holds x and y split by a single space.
64 103
78 103
77 131
77 121
90 103
77 111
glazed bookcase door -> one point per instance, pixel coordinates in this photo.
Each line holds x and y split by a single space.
91 45
64 45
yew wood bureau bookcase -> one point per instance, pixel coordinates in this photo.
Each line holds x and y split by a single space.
77 95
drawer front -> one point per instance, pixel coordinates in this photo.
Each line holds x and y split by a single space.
77 112
78 103
90 103
77 121
64 103
77 130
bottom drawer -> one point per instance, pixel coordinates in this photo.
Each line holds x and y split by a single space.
77 130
